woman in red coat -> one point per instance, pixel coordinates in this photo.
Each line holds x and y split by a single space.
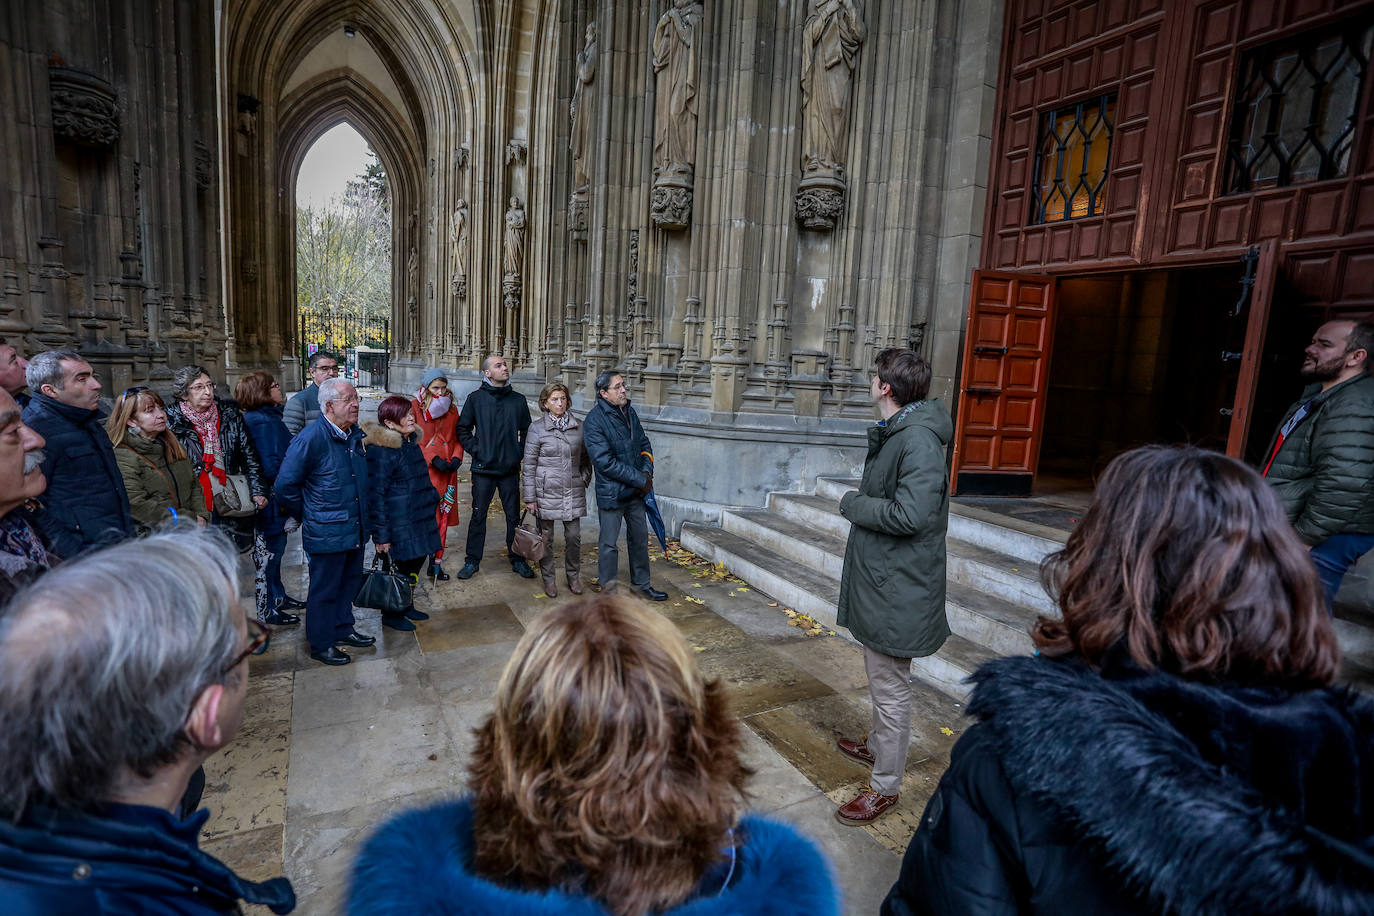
437 418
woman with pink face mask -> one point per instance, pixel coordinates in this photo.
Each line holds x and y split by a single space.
437 417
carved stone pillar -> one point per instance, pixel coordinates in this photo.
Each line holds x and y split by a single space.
809 381
661 373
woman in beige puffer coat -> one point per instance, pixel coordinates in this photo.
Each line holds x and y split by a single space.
553 481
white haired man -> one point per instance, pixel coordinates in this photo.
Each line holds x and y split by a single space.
121 672
323 482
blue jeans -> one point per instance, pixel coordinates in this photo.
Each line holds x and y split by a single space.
1337 554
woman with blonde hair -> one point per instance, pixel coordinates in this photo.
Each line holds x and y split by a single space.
157 473
608 780
554 476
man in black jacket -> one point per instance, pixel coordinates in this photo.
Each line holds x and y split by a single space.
624 463
492 429
85 505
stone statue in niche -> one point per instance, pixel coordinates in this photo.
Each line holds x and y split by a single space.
580 139
830 46
675 113
413 281
513 254
460 245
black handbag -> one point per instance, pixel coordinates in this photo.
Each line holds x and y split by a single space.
384 589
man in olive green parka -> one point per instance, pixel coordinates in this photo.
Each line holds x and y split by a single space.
892 589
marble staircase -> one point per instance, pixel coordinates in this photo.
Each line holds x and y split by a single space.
794 550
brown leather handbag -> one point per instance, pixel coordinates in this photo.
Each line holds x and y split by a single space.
529 543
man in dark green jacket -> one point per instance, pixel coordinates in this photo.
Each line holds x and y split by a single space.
1321 460
892 589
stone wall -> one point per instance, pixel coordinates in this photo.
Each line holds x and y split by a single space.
109 186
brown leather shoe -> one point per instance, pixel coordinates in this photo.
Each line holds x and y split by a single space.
855 749
551 587
866 808
575 585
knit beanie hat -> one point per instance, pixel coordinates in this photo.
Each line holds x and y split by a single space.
432 374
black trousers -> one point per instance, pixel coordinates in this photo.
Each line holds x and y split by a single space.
334 581
484 486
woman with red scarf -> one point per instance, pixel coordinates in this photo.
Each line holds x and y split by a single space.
216 440
437 418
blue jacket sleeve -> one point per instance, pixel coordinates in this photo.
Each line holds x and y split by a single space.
289 488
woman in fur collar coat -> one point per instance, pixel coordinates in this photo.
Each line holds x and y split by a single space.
607 782
1176 746
401 500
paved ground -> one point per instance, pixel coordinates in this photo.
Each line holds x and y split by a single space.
326 753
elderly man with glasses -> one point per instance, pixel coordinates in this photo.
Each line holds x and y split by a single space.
304 406
86 504
323 483
120 673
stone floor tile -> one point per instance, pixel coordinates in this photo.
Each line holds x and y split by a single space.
258 855
833 659
472 626
776 783
335 767
805 733
757 678
469 674
866 869
361 691
708 632
245 783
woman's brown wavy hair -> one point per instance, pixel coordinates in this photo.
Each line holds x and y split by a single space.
1187 559
609 767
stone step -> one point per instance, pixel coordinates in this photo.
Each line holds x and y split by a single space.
1014 536
1011 578
835 487
948 668
816 512
806 590
1001 626
810 547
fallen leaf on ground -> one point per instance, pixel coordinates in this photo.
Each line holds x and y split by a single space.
946 731
540 595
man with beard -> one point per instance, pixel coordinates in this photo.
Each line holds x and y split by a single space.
23 552
1321 460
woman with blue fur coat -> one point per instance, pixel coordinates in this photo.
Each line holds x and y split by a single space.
608 780
402 501
1175 746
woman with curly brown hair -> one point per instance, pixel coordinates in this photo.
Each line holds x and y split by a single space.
608 780
1175 746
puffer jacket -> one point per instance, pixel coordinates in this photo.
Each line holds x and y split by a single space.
302 409
401 500
556 469
892 588
156 486
1324 473
236 446
1125 791
85 505
323 482
492 428
620 453
271 438
439 439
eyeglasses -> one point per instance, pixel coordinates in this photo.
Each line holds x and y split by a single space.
332 370
134 390
202 386
258 638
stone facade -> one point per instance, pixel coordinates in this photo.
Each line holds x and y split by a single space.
109 189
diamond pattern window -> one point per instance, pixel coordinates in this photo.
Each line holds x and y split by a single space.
1297 107
1071 160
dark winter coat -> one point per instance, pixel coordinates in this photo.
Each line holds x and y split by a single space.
778 873
271 438
439 439
1133 792
492 428
17 568
1324 473
620 452
237 453
156 486
892 588
85 504
402 501
323 482
133 859
556 469
302 409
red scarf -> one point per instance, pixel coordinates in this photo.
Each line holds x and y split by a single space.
206 423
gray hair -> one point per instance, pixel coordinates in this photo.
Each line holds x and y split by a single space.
46 368
184 378
329 390
101 660
603 381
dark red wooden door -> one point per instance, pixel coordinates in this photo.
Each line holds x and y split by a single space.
1001 407
1261 297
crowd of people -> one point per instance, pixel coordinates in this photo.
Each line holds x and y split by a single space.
1176 743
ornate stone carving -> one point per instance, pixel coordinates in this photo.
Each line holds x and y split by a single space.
85 109
249 269
675 113
632 274
513 254
830 46
582 134
670 206
413 280
577 215
460 244
516 152
205 166
461 157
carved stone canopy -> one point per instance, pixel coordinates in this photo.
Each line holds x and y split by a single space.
820 202
205 166
85 109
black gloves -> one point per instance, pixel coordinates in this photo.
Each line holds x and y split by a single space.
445 465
